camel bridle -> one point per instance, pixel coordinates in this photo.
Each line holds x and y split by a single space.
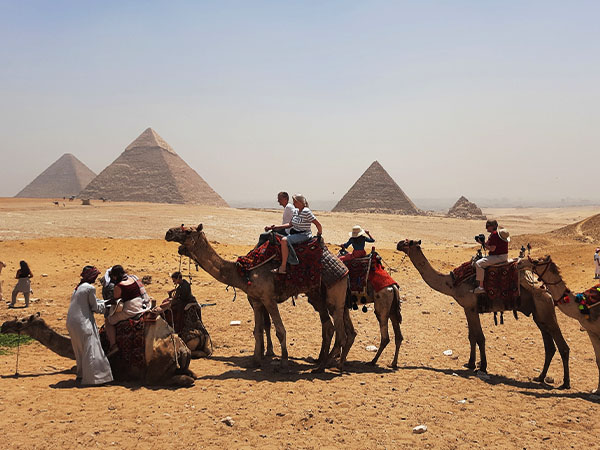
546 265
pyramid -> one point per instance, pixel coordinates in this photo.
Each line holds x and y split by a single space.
465 209
149 170
66 177
375 191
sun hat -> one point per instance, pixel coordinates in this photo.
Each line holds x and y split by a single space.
357 231
504 234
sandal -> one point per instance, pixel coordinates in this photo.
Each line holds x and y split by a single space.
277 271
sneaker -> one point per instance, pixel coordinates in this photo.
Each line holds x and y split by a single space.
479 290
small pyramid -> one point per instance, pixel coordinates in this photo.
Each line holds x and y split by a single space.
465 209
66 177
376 192
149 170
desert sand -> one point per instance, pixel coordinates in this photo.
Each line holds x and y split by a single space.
367 407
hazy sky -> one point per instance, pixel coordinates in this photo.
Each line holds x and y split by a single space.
482 98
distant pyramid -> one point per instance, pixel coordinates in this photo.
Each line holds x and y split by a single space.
465 209
149 170
375 191
66 177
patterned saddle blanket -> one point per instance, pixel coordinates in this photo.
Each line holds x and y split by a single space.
588 299
317 264
130 340
500 282
369 268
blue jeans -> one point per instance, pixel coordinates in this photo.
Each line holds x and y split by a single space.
296 238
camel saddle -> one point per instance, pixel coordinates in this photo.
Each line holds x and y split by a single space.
368 268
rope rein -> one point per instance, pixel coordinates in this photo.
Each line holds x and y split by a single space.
18 350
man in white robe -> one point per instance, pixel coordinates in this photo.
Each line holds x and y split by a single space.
93 367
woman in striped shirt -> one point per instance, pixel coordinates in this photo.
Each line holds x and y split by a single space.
299 231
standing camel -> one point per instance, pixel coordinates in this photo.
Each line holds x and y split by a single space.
549 274
540 305
262 293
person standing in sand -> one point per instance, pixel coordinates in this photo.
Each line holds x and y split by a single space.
2 266
597 261
24 276
93 367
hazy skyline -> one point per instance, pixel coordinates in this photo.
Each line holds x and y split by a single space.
482 99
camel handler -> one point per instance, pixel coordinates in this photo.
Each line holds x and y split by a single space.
93 367
358 239
497 245
283 198
597 261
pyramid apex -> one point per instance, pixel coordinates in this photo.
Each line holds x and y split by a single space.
150 138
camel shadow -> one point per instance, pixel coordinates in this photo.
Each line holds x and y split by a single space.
493 379
298 369
593 398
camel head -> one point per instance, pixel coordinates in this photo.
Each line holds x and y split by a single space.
19 325
407 244
182 233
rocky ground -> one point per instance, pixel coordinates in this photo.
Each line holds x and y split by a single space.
367 407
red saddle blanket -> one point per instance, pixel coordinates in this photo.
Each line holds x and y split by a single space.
130 340
462 272
377 276
298 277
502 282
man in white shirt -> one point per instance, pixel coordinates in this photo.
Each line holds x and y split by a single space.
597 261
283 198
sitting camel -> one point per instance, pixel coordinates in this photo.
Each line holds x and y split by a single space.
549 274
167 357
262 294
533 300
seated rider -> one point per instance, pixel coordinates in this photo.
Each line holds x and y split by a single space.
358 238
283 198
299 231
129 300
173 308
497 245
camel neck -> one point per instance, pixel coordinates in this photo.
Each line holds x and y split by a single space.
59 344
436 280
206 256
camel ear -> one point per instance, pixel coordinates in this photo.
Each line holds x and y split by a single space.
38 314
419 242
199 227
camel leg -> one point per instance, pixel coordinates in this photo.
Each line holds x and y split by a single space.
595 339
476 338
350 332
382 309
258 310
326 330
279 331
396 318
336 299
552 330
267 329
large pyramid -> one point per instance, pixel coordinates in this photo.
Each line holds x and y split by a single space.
375 191
67 176
149 170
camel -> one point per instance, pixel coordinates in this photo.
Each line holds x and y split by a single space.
533 300
2 266
164 366
549 274
194 333
262 294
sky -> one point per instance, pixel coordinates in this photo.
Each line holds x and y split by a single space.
487 99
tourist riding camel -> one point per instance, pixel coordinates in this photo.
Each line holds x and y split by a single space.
93 367
300 231
497 245
283 198
24 276
129 300
358 239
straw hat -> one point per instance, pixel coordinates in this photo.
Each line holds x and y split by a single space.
357 231
504 234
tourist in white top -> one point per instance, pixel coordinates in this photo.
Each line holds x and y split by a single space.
300 231
597 261
283 198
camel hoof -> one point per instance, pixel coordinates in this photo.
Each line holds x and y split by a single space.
372 362
539 379
470 366
270 353
394 365
318 370
565 386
